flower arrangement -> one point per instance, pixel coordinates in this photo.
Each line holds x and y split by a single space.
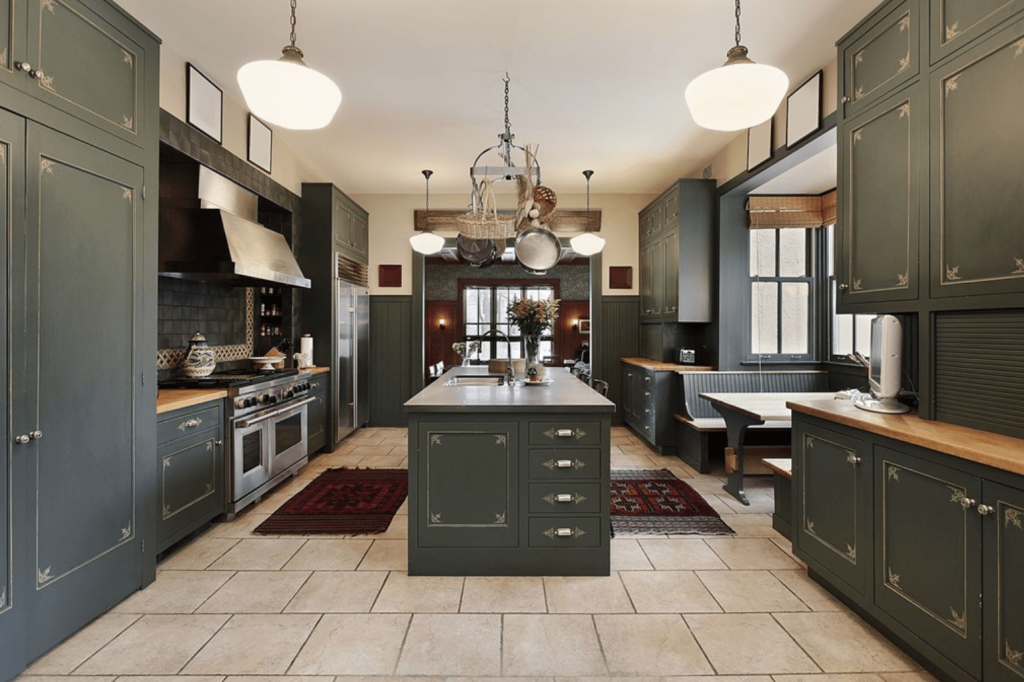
466 348
532 317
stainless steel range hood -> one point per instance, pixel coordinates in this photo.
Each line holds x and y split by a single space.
209 233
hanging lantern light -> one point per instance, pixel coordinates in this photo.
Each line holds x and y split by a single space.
427 242
588 243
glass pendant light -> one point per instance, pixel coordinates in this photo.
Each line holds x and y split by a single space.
588 243
426 242
740 94
287 93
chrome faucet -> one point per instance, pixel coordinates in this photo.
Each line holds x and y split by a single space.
510 374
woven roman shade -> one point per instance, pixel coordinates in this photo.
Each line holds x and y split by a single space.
778 211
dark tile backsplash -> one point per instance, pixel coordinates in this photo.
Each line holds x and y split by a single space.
185 307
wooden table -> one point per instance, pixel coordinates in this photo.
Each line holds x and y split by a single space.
741 410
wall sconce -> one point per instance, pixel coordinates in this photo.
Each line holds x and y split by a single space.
575 324
440 323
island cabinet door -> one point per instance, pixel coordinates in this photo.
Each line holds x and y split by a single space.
832 472
1003 540
928 562
467 484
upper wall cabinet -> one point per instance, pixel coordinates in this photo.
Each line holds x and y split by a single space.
351 227
955 23
880 58
977 146
73 58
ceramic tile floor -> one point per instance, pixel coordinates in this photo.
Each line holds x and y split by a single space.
234 607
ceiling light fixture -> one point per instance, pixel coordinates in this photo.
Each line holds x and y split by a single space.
588 243
287 93
740 94
427 242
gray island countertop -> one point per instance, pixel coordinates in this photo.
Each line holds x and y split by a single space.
565 393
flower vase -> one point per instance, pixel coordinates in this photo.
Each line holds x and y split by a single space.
534 366
466 361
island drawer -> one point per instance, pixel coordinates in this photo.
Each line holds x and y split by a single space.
565 498
565 464
187 422
567 432
566 532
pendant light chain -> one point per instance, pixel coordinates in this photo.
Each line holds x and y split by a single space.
737 21
508 127
427 174
293 22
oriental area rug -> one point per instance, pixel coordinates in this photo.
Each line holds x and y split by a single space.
646 502
342 502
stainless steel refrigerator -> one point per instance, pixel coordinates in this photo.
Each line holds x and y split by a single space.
351 393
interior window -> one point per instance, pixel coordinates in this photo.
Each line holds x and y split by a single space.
484 309
782 294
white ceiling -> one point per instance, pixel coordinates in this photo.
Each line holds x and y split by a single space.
597 84
816 175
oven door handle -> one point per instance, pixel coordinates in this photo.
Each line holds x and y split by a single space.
246 423
298 403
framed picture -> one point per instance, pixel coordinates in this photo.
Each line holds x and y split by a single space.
759 144
204 103
585 326
620 277
261 144
803 110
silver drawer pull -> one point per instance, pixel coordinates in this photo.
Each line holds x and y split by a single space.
190 424
564 532
553 533
564 464
563 497
564 433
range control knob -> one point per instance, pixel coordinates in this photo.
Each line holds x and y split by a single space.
240 403
250 402
287 394
263 398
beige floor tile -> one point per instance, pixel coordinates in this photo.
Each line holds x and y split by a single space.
339 460
680 554
587 595
367 451
258 554
395 441
174 592
760 503
719 678
753 526
750 553
25 677
275 678
83 644
919 676
650 645
338 592
720 506
243 524
668 592
627 461
550 645
707 485
253 645
167 678
750 591
748 644
353 644
286 491
398 530
503 594
387 460
452 644
404 509
419 594
329 555
255 592
637 449
197 554
379 678
154 645
627 555
810 592
386 555
826 677
840 642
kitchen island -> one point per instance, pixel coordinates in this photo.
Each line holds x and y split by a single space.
508 481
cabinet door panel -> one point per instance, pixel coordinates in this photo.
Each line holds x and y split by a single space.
880 202
882 59
955 23
834 503
12 41
978 141
1004 586
469 495
671 266
927 575
83 223
87 67
188 476
657 259
646 282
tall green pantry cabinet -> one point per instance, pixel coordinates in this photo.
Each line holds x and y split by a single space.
78 146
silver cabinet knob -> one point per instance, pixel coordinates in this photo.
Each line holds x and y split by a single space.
843 286
23 66
967 503
985 510
846 100
218 442
35 435
21 440
36 74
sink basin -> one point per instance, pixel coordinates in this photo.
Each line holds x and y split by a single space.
476 380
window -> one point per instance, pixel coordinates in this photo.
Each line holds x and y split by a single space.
849 333
483 310
782 284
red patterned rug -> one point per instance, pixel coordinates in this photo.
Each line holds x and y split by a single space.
342 502
654 502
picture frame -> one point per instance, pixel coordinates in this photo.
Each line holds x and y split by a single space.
759 144
803 110
261 144
620 277
584 326
204 103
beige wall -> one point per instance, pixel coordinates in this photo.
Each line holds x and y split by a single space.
391 225
731 160
288 170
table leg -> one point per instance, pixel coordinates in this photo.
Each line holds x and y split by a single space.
736 427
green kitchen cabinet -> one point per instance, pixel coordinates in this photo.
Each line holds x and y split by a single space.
648 311
879 56
318 411
928 563
957 23
879 203
1002 510
350 227
648 405
832 513
977 142
11 41
670 263
190 450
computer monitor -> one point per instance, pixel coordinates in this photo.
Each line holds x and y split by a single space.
885 368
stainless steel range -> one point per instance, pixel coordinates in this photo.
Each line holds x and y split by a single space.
265 438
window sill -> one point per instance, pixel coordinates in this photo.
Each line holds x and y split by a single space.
755 363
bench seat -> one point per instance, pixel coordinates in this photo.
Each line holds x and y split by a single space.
718 424
782 476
